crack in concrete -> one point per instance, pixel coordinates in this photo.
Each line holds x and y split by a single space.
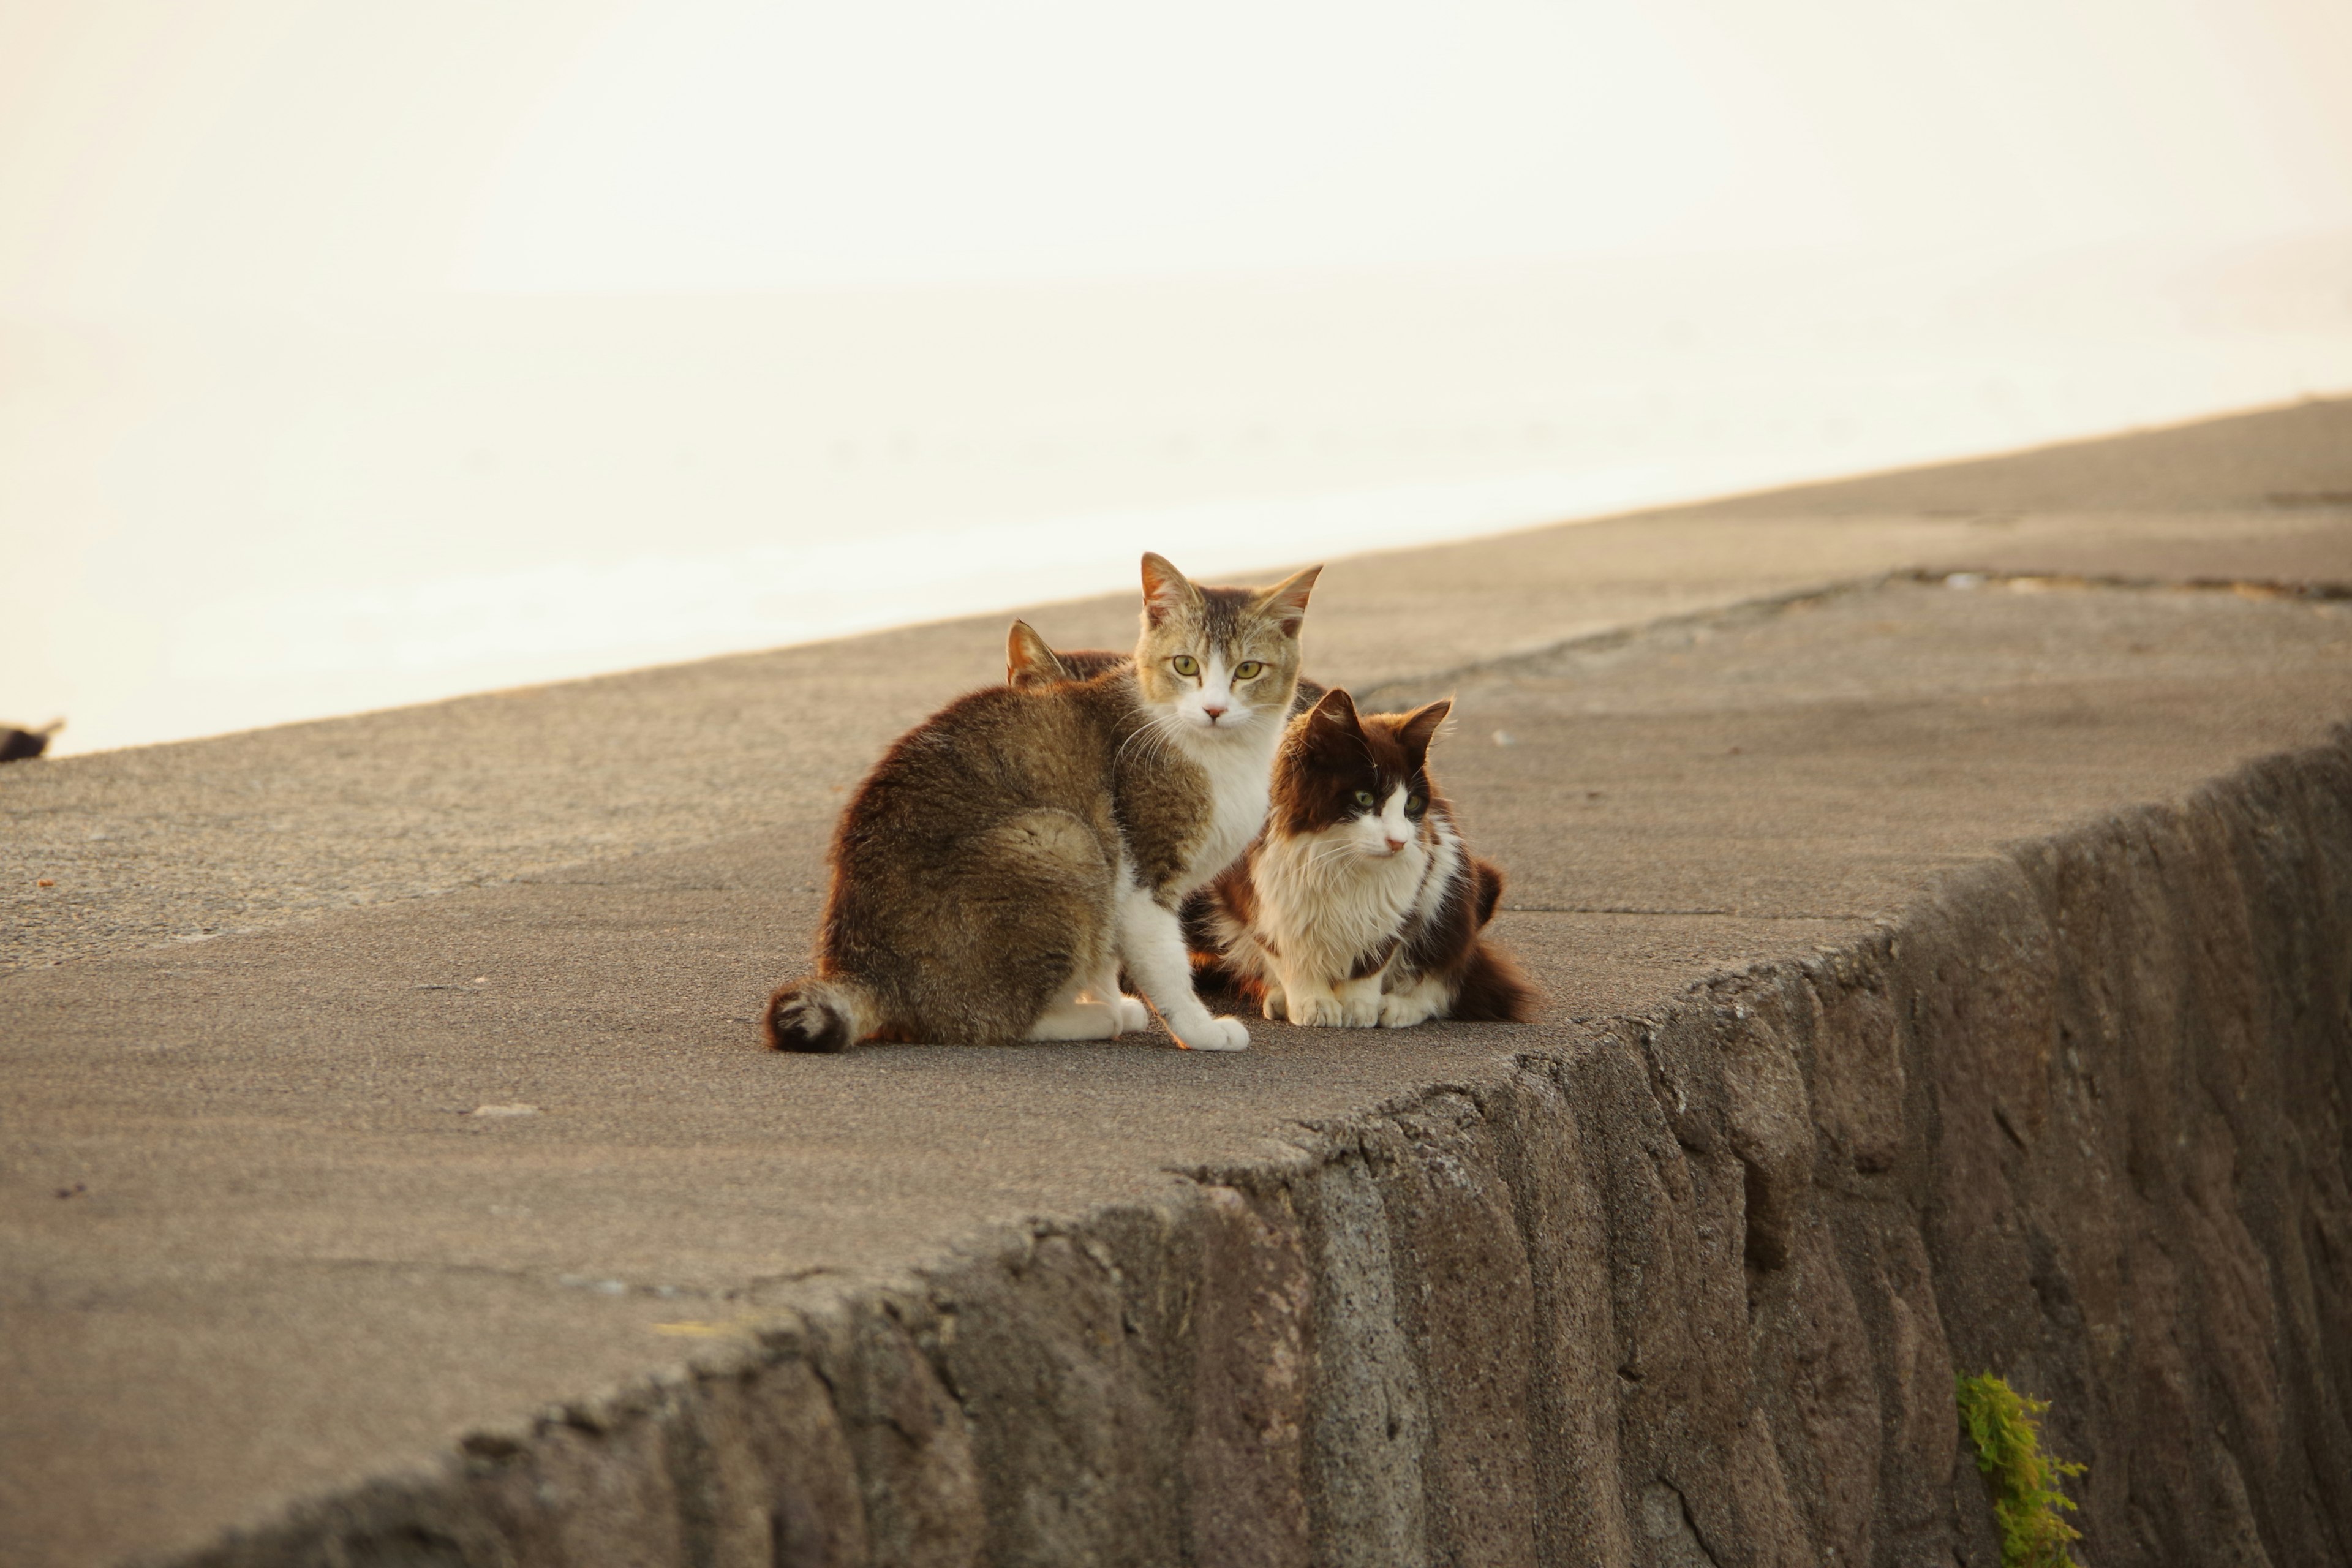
1676 914
1767 607
1754 609
2047 582
597 1284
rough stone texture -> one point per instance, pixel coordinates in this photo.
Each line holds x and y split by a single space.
1690 1290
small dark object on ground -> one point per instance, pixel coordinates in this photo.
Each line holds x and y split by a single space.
23 745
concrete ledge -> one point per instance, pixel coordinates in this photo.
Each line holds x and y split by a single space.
1692 1288
1865 1058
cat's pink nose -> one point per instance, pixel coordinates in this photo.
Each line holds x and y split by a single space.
1214 713
1395 844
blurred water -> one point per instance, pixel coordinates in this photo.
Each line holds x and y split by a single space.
211 524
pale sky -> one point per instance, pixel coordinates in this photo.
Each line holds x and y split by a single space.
356 352
158 153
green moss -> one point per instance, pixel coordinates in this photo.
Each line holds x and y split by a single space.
2023 1479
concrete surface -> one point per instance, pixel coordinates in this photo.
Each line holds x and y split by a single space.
183 842
1053 1304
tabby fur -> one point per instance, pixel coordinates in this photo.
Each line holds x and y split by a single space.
1009 856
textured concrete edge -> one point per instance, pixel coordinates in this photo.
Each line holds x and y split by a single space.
1684 1287
1407 688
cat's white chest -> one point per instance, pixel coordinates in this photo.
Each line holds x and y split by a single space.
1325 904
1238 778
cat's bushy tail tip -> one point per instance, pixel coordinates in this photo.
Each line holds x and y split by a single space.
1496 989
817 1014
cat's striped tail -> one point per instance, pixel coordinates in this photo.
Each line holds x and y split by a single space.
830 1013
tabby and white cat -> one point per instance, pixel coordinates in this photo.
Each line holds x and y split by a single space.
1009 855
1361 904
1032 662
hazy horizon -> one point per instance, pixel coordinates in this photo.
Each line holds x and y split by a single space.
352 357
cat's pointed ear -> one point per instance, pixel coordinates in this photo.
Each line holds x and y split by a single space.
1334 714
1165 590
1029 660
1420 727
1287 600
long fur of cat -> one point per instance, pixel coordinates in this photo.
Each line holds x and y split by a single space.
1009 856
1361 904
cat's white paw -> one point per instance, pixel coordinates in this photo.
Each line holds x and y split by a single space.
1133 1014
1359 1012
1329 1012
1277 1006
1217 1035
1403 1009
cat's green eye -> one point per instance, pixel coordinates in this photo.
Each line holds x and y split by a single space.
1248 670
1416 805
1186 664
1364 797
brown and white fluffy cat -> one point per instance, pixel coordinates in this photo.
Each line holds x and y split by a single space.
1008 856
1361 904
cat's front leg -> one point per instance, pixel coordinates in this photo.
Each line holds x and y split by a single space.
1151 943
1360 1002
1319 1004
1130 1012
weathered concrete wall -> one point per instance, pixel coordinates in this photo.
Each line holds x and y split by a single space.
1689 1288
